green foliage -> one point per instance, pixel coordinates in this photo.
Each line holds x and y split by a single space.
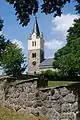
1 24
13 61
67 59
25 8
2 41
49 73
2 46
74 32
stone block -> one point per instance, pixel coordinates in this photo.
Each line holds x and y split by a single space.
31 96
74 107
56 95
52 114
43 110
70 98
68 116
66 107
64 91
47 103
43 96
35 111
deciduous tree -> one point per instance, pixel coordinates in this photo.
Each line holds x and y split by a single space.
2 41
67 59
25 8
13 60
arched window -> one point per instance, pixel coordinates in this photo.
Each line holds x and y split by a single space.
33 55
35 43
32 43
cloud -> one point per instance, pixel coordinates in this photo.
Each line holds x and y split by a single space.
19 43
60 25
0 32
54 44
63 23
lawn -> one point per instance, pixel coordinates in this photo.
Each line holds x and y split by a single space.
58 83
8 114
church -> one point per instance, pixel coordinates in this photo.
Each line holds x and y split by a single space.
36 60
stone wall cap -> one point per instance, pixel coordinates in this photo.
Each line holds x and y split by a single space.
28 80
4 77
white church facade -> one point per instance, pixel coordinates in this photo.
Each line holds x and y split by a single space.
36 61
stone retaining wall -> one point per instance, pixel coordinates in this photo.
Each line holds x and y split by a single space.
60 103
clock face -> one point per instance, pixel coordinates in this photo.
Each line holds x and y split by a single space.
34 62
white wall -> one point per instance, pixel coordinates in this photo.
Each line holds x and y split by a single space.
39 43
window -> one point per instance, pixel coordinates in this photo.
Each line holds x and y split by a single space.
34 72
33 43
33 55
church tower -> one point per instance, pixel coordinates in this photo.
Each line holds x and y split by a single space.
35 49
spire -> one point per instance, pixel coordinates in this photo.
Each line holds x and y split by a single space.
36 27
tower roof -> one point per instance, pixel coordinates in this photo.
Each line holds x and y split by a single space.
36 27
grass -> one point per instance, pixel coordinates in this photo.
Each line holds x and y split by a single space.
58 83
8 114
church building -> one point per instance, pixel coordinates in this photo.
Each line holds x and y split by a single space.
36 61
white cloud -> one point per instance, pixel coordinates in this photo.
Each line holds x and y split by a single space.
19 43
60 25
0 32
63 23
54 44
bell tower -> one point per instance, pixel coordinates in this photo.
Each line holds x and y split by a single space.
35 49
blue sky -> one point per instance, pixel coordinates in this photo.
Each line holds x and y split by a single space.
54 29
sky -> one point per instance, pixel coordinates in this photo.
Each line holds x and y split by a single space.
54 29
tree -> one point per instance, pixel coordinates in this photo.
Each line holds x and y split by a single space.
67 59
13 60
2 41
1 24
25 8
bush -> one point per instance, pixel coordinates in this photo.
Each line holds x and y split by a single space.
49 73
